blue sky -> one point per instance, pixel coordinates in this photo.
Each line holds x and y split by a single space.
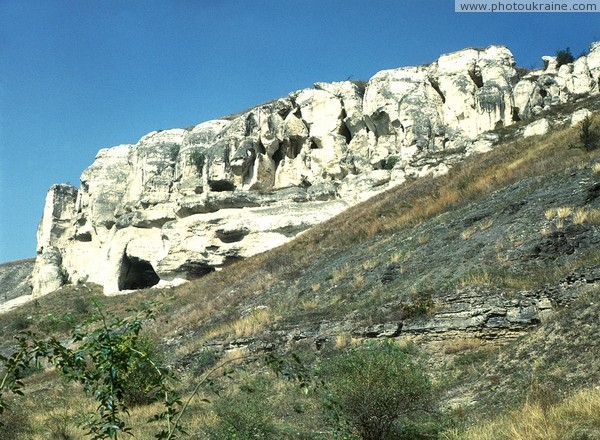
80 75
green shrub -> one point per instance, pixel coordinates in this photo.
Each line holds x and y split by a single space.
379 392
173 151
245 415
564 57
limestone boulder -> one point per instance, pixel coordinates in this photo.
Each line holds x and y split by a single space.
578 116
537 128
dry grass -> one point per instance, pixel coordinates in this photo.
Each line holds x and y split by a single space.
255 322
577 417
308 305
584 215
422 200
563 212
342 341
357 281
400 256
485 225
468 233
341 274
477 279
578 216
460 345
550 214
249 325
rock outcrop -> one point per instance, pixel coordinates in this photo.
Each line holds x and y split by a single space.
15 279
183 202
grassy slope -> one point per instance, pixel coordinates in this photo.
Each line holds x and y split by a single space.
475 226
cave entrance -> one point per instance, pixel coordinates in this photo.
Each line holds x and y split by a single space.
137 274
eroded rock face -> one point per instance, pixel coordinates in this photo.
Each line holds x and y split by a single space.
181 203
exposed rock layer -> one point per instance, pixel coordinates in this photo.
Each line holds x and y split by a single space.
183 202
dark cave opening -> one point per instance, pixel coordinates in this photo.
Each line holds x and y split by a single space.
137 274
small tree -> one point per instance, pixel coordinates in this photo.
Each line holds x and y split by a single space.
379 391
564 56
105 356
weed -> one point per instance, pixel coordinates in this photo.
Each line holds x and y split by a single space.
564 212
341 274
589 135
357 281
468 233
550 214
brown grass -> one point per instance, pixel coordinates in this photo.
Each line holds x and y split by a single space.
535 420
459 345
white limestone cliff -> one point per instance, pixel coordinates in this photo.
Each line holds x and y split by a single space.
183 202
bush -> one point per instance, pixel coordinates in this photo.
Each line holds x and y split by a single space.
198 159
588 135
379 392
244 416
140 375
564 57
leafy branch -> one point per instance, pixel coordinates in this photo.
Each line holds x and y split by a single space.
105 349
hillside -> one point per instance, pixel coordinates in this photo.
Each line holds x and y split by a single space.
490 271
181 203
15 279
